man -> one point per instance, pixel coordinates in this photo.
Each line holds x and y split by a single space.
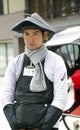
36 80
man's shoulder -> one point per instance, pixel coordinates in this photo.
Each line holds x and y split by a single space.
53 54
18 57
54 58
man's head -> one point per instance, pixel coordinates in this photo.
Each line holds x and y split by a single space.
35 29
34 20
34 38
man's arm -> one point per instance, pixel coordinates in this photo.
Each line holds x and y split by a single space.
51 117
9 112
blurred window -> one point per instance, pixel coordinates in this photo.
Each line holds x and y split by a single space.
70 54
6 54
53 8
1 7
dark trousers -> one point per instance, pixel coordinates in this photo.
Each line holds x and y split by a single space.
54 129
51 129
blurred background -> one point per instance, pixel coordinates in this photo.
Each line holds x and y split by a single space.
60 14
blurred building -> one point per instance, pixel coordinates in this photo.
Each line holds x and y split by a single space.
59 13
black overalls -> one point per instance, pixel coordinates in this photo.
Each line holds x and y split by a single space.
31 106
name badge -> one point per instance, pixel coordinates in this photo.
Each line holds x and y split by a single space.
28 71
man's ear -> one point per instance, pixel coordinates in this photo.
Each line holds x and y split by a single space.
45 36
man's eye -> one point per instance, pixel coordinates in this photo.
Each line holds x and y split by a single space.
26 34
36 34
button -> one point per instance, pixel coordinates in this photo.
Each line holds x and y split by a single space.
45 105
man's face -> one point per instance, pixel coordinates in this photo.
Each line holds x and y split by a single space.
33 38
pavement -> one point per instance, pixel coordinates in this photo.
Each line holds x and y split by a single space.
70 120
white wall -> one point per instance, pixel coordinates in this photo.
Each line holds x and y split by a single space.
11 6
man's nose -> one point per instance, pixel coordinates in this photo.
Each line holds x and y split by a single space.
31 38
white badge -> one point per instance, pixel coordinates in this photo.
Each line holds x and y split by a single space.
28 71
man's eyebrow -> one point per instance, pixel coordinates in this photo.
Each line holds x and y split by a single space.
37 31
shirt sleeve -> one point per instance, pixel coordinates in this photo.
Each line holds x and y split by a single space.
8 86
11 76
56 71
60 84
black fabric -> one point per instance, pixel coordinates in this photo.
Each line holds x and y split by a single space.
29 116
9 112
54 129
51 117
30 106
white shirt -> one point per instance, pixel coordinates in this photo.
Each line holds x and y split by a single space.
55 70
